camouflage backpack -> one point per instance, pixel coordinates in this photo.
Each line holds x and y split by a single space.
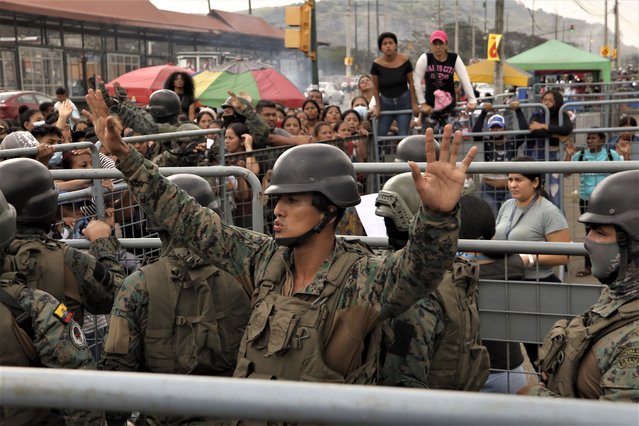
460 361
196 318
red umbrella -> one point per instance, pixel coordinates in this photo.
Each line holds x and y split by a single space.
140 83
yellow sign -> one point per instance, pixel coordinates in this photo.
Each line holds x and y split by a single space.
348 60
614 53
492 53
604 51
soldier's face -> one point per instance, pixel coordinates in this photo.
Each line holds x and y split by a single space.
295 215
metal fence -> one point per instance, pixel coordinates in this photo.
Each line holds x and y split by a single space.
284 401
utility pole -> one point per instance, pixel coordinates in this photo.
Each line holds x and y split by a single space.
556 23
499 65
617 34
314 66
250 8
605 23
472 30
439 13
348 61
368 25
532 14
355 26
590 42
377 17
456 26
485 21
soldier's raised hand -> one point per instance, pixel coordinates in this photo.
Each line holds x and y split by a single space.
104 125
440 187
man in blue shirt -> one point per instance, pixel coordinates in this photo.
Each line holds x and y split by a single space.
595 151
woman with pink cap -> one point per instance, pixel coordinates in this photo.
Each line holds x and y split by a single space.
438 69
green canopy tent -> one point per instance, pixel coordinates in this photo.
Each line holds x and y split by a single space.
555 56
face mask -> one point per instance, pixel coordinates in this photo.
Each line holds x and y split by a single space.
362 111
605 259
56 159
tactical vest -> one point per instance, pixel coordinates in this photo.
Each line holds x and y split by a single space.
17 350
41 260
568 341
460 361
196 319
286 337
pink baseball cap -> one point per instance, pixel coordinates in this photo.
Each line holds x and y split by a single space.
439 35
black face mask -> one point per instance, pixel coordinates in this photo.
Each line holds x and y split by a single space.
396 239
227 120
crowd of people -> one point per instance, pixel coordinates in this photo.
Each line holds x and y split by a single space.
297 303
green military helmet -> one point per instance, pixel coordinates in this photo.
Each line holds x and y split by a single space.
319 168
28 186
164 104
196 186
227 103
189 127
615 201
398 201
7 222
413 148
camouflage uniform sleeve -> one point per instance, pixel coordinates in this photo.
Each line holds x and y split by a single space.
133 117
124 342
411 273
415 334
539 390
229 248
619 365
257 127
60 343
99 273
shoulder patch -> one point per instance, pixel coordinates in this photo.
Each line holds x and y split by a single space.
77 335
628 358
63 314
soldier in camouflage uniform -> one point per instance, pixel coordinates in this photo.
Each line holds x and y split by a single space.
164 110
37 330
81 280
422 349
316 299
146 328
596 354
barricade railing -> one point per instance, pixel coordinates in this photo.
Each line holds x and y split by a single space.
571 105
601 84
298 402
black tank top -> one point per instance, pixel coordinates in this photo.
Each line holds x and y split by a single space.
440 76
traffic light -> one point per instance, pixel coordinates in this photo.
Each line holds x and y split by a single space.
299 36
572 28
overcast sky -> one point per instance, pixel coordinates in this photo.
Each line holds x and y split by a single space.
588 10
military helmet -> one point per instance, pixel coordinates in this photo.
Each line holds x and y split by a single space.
7 222
28 186
319 168
188 127
228 104
413 148
196 186
398 200
615 201
164 103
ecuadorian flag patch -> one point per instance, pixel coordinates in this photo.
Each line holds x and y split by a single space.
63 314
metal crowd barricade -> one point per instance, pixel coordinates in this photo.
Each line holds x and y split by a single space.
298 402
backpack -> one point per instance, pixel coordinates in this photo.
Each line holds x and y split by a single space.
582 153
196 318
460 361
568 340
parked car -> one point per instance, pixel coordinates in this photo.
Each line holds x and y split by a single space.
330 92
11 101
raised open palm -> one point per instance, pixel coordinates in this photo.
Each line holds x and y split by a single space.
440 186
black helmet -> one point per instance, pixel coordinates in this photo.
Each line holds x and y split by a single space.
164 104
7 222
615 201
398 200
196 186
319 168
413 148
28 186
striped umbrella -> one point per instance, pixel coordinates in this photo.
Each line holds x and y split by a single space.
258 80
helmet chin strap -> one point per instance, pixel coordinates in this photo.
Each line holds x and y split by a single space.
296 241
